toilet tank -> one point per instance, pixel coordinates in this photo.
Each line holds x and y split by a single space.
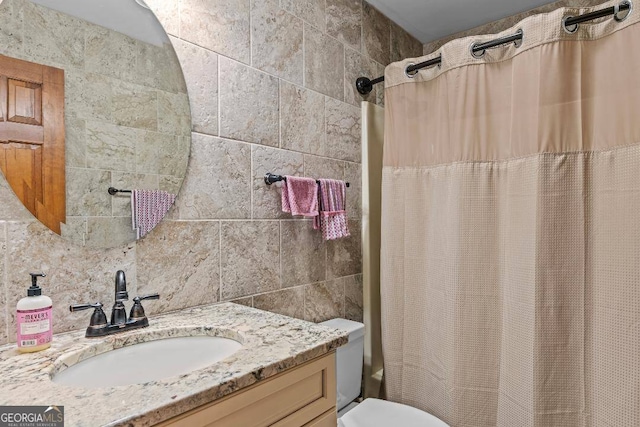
349 360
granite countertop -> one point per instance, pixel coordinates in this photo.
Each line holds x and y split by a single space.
271 344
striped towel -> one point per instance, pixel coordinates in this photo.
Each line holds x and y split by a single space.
332 219
148 208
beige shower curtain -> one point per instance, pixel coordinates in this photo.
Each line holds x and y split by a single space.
510 274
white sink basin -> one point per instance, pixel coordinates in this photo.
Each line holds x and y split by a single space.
149 361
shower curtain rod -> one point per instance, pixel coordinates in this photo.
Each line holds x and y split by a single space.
569 23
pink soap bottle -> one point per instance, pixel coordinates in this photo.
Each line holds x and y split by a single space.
35 329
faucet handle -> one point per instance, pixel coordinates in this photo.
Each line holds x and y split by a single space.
145 297
98 318
78 307
137 311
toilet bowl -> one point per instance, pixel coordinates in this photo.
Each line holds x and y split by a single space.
371 412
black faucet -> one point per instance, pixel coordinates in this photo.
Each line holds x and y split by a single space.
98 325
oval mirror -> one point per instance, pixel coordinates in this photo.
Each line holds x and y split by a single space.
95 126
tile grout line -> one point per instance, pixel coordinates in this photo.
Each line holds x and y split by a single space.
280 253
251 201
219 101
304 55
220 282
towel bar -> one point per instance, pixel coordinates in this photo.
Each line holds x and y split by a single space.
270 178
114 191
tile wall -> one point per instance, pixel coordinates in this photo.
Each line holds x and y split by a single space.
271 89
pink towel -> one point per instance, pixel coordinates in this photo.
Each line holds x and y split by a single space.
148 208
333 214
300 196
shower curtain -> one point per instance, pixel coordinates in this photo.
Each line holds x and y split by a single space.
510 258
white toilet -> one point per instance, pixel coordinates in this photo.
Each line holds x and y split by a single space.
371 412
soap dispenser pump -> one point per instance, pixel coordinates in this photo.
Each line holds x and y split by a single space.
35 329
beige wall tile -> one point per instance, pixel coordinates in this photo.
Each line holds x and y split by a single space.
163 154
250 259
312 11
324 63
376 34
353 175
320 167
353 298
343 131
181 262
11 207
109 232
111 147
174 116
403 44
218 181
170 184
200 68
303 254
135 106
88 96
74 274
358 65
53 38
344 256
276 41
75 229
248 104
162 66
302 126
167 13
110 53
87 192
288 302
149 153
247 302
75 144
324 301
221 26
11 32
267 201
344 22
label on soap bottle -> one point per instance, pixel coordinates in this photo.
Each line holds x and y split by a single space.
34 327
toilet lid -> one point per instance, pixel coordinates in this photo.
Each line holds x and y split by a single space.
381 413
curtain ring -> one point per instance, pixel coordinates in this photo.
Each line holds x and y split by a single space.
476 55
616 10
518 43
568 30
410 74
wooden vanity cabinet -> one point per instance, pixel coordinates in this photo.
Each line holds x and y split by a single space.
304 396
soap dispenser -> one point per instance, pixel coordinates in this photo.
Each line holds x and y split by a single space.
35 329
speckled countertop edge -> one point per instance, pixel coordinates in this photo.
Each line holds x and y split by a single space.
271 344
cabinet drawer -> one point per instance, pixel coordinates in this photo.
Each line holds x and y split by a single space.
290 399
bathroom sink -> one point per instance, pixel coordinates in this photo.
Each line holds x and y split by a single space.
148 361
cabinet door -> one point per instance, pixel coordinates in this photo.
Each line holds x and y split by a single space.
290 399
328 419
32 156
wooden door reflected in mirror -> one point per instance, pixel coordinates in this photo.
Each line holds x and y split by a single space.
32 137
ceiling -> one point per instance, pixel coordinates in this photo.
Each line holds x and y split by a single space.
124 16
429 20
